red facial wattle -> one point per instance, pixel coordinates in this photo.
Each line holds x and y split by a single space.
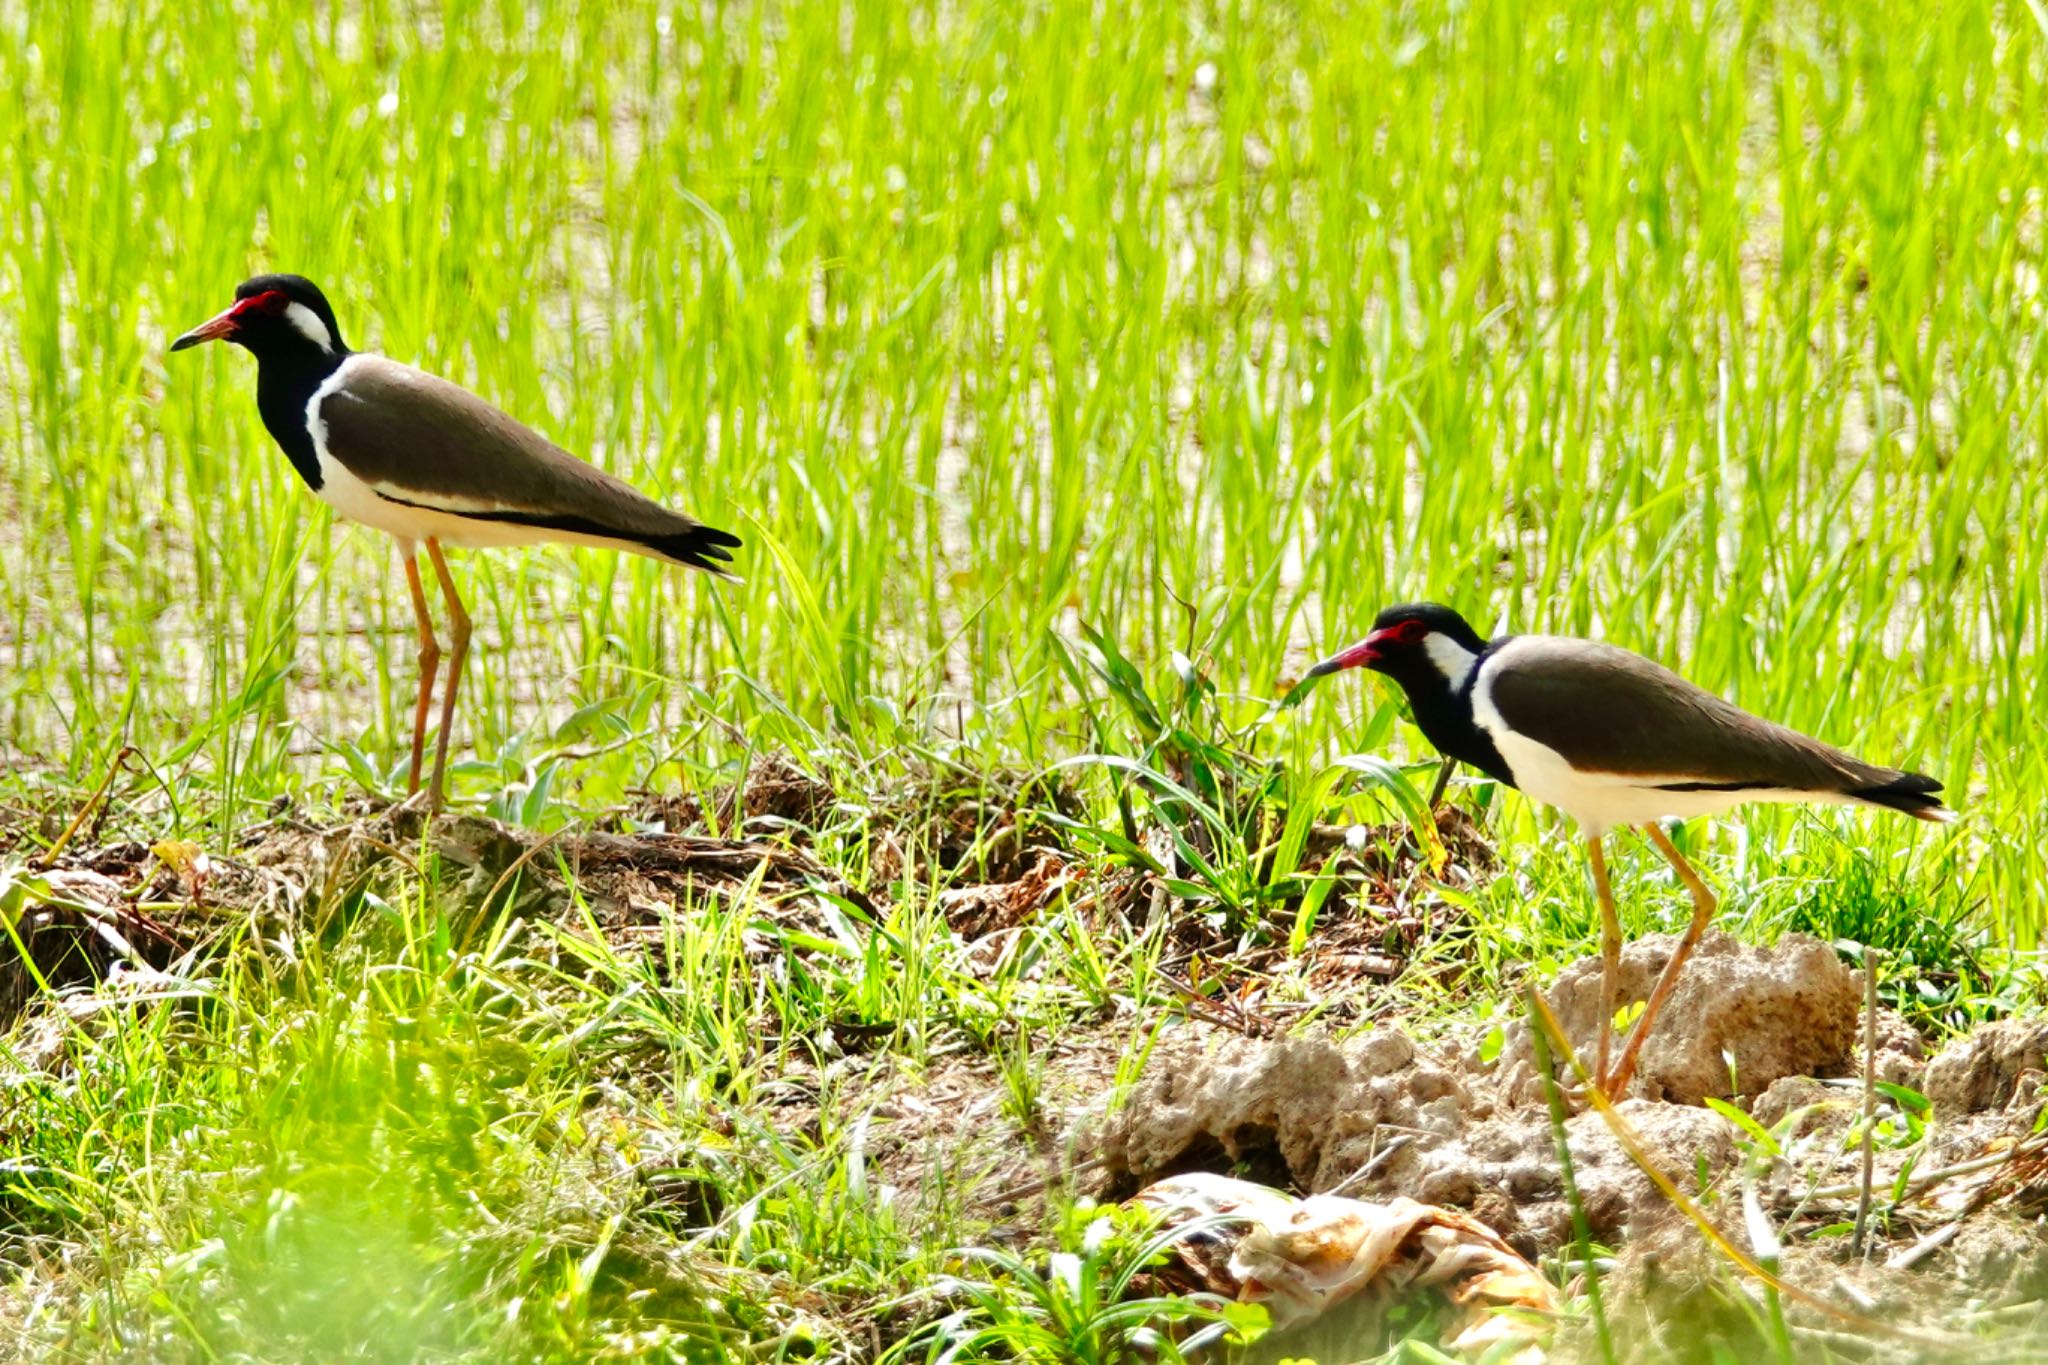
223 326
1368 653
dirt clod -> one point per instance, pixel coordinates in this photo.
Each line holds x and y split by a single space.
1381 1117
2001 1257
1820 1106
1325 1108
1740 1018
1980 1071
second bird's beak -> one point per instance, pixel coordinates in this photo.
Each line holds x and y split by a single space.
217 328
1366 651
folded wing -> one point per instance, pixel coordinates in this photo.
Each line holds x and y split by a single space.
424 442
1609 711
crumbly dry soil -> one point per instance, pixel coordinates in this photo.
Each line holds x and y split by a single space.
1336 1106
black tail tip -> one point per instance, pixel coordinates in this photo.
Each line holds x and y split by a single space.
700 547
1913 794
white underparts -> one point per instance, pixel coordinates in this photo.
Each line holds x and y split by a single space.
461 504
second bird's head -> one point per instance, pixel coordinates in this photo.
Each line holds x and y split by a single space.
1417 644
275 317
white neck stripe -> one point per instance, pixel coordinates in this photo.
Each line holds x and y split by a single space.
309 326
1452 659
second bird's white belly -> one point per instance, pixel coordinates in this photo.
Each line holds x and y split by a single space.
1603 801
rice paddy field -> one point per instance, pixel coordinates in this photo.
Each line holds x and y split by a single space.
1076 374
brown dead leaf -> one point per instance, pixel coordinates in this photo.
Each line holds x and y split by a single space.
1302 1257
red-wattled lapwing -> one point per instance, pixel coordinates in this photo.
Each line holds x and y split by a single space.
394 448
1611 739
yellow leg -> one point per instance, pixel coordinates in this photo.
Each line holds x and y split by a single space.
430 659
458 650
1610 956
1702 912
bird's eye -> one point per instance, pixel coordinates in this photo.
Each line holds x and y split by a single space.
273 301
1411 632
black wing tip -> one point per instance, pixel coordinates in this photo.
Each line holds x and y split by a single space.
1913 794
700 547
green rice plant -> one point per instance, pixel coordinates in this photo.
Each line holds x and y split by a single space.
1075 1306
1708 334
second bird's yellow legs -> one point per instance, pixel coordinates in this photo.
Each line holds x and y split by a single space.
1610 954
1615 1082
430 658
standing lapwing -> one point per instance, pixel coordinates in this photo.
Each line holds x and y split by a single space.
394 448
1611 739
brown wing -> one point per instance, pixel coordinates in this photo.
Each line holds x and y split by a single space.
1607 710
421 440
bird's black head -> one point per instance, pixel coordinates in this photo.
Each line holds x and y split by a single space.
1434 654
1421 645
276 317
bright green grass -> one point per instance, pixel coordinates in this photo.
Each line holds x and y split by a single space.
1713 338
1709 330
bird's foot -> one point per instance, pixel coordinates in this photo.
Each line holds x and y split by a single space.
1615 1085
423 802
1572 1097
1579 1098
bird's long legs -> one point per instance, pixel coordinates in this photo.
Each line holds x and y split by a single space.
458 650
1610 954
1443 783
430 659
1702 912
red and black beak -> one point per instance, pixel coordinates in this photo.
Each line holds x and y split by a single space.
220 327
1365 653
